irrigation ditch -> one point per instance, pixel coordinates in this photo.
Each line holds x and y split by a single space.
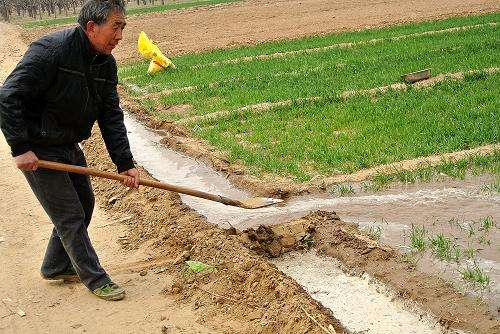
325 274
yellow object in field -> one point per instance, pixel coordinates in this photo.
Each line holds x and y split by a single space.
150 51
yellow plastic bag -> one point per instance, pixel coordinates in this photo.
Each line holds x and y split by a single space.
150 51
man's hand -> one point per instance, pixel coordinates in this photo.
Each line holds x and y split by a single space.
132 180
27 161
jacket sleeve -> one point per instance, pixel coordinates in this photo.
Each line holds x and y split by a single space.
113 129
25 85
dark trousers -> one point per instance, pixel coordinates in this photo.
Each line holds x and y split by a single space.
68 200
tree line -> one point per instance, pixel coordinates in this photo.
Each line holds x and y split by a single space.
35 9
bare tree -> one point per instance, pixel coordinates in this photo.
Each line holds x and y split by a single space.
36 9
5 10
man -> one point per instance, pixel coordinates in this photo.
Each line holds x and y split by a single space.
48 104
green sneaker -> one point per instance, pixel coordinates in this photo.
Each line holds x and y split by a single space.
110 291
68 276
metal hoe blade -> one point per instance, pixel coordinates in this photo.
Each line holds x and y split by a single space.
258 202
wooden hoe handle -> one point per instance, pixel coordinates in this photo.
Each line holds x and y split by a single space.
149 183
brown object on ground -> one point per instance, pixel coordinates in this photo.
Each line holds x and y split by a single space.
255 21
274 241
417 76
249 203
343 241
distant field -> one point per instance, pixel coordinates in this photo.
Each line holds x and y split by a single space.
326 135
133 11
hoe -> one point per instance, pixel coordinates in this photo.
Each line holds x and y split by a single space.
250 203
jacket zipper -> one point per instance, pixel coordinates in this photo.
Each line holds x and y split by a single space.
84 113
88 88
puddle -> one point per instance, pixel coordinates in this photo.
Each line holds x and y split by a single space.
431 205
361 304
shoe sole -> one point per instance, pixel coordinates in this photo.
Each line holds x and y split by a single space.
118 296
65 278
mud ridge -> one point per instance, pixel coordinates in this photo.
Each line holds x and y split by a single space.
329 236
244 294
398 86
342 45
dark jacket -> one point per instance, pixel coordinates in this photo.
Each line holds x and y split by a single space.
56 93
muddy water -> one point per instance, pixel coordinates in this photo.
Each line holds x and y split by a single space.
431 205
361 304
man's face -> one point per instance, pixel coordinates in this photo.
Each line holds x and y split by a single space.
105 37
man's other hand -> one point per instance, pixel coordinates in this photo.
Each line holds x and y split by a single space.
132 180
27 161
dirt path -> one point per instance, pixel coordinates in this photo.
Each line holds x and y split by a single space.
256 21
67 308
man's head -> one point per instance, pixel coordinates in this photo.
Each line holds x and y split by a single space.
103 22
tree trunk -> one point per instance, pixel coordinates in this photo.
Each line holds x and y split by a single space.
4 11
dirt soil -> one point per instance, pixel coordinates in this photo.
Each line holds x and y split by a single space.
332 237
143 239
254 21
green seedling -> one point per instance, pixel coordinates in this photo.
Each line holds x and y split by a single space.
444 249
344 190
475 275
483 240
454 222
371 186
470 253
471 230
380 181
411 259
417 238
491 188
478 164
486 223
